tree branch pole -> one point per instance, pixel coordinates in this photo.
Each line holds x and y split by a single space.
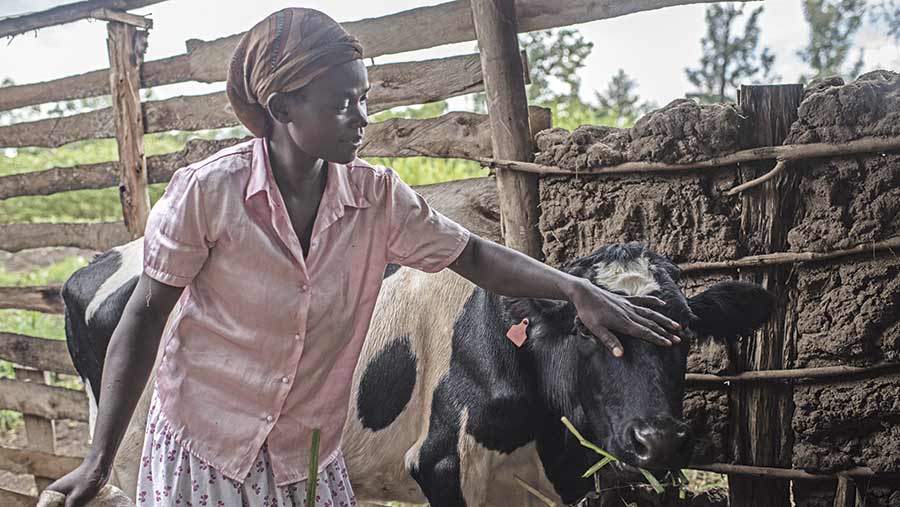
830 372
784 152
772 259
126 54
496 27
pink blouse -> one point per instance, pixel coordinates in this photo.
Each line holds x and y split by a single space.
265 341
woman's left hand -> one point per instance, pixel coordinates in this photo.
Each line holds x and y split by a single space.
603 312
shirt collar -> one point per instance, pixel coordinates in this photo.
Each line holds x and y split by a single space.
338 184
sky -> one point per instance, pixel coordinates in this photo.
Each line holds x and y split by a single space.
652 47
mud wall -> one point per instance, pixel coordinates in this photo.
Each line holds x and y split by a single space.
846 309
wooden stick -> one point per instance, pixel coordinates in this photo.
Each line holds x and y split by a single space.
39 431
779 167
791 374
66 13
97 236
496 25
791 257
39 299
845 492
785 473
784 152
534 491
126 54
36 398
122 17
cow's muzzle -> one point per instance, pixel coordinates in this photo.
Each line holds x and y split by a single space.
658 443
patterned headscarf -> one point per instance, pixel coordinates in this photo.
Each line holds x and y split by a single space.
283 53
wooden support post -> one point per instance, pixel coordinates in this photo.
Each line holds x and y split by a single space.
845 493
126 46
38 431
496 27
761 414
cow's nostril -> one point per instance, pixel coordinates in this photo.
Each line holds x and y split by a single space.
639 444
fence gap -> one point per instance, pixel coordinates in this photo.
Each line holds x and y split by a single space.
496 27
126 46
761 414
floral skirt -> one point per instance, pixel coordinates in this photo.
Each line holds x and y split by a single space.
170 475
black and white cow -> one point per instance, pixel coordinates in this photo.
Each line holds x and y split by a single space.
445 409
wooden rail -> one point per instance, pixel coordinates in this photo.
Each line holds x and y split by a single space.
422 28
66 14
39 299
38 353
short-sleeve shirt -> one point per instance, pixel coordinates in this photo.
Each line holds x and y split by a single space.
265 340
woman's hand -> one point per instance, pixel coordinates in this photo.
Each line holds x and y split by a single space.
602 312
82 484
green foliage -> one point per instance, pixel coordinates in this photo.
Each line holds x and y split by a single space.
729 58
620 101
832 25
888 12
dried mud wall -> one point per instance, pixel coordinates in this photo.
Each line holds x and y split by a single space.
846 309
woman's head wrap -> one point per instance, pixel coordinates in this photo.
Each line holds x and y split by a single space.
283 53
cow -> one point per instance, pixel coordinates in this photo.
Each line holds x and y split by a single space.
446 410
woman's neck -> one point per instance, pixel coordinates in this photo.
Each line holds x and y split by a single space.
295 171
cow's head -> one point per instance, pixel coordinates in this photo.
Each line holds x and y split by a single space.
632 406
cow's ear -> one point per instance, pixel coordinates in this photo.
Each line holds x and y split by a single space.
730 309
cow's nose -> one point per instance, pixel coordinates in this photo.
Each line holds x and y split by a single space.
659 443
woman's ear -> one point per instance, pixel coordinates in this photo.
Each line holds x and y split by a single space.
278 107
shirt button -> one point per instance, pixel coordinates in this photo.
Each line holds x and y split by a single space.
285 380
304 288
297 337
269 418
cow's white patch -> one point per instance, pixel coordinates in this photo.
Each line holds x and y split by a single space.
634 278
132 264
92 408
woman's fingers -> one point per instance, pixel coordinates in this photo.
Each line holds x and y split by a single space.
609 340
645 310
656 321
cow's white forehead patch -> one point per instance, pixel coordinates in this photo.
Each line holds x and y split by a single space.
634 278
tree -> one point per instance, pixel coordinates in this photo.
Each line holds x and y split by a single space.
554 57
620 101
729 59
832 24
888 11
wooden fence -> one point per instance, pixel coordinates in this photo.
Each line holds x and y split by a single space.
500 139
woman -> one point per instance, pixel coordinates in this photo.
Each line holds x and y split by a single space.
282 242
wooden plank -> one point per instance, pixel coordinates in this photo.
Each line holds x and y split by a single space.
96 236
126 52
39 299
393 85
38 353
12 499
761 414
456 135
497 26
422 28
48 402
39 431
66 13
104 14
23 461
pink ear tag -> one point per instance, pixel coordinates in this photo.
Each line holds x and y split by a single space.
517 334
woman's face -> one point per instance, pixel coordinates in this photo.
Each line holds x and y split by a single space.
326 118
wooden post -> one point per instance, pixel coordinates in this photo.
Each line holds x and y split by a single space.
496 27
126 47
38 431
845 493
761 414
